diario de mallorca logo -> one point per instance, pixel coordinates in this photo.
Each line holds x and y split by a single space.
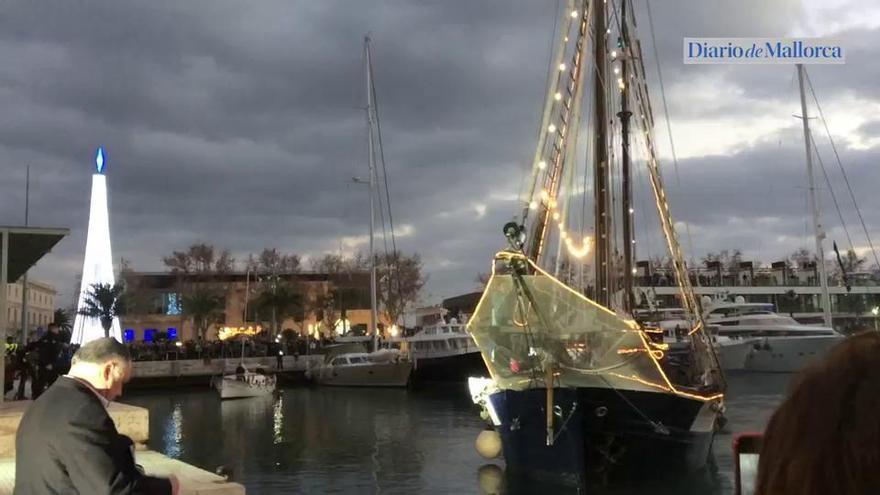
763 51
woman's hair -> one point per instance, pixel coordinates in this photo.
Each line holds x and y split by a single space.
825 437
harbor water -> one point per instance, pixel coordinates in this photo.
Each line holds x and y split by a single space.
344 440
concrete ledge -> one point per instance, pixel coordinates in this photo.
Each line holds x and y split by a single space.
193 481
131 421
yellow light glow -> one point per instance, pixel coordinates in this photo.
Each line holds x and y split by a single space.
555 215
578 251
394 331
561 66
574 13
533 205
551 127
557 96
229 332
542 164
544 194
342 326
613 54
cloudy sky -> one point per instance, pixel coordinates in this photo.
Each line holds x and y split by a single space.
239 123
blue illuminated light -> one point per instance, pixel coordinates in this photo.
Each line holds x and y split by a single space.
99 160
148 334
128 336
172 333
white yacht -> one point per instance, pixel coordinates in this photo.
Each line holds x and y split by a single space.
781 344
732 353
445 352
347 365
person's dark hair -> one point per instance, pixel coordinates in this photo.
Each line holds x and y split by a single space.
825 437
100 351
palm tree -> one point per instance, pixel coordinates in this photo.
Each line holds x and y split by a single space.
104 301
205 307
63 320
281 301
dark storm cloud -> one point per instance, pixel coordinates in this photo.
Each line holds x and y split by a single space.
240 124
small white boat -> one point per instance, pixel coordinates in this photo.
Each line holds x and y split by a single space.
245 384
384 368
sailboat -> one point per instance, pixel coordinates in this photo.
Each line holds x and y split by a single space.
245 383
578 386
348 364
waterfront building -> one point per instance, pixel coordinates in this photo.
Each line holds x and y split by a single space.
40 306
332 304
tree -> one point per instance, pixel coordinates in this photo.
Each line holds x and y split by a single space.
280 290
849 264
729 260
205 307
63 320
282 301
399 281
105 302
799 257
200 283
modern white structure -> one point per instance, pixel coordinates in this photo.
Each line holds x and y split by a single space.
98 262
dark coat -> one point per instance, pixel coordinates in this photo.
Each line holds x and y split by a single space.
67 443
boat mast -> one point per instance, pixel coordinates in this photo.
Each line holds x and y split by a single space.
817 223
600 151
624 114
373 305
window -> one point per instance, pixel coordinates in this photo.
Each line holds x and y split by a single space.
148 334
339 360
128 335
172 333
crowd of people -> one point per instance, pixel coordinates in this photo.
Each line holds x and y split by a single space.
39 362
260 346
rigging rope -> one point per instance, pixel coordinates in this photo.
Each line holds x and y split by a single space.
687 225
831 190
842 170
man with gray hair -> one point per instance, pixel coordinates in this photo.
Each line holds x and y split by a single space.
67 443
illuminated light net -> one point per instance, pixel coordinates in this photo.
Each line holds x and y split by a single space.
584 343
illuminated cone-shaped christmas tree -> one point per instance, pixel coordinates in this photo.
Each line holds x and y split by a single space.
98 262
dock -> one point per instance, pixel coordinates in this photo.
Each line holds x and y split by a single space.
133 422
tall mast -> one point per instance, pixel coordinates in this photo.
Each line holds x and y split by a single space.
817 223
600 150
624 115
24 278
373 305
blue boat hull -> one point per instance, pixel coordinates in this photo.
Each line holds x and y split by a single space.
602 433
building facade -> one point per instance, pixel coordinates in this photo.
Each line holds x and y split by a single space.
331 304
40 306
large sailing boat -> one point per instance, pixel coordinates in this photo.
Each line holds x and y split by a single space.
578 386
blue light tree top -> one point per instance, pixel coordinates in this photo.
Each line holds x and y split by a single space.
99 160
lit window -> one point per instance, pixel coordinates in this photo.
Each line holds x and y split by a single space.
128 336
172 333
148 334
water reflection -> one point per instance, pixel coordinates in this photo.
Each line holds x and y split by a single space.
324 440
